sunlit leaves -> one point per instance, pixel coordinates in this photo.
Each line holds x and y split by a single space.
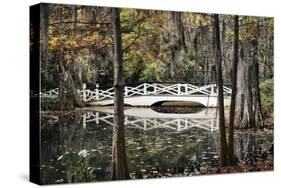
85 38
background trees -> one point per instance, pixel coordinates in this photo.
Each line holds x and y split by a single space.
157 46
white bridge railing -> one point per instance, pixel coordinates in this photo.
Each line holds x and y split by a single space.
174 124
145 89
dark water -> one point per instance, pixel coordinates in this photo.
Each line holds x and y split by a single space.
78 147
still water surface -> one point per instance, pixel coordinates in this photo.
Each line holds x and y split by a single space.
160 142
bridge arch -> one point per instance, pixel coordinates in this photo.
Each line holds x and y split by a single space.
185 103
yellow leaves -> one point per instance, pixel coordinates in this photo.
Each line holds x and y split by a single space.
71 44
68 57
54 43
92 38
97 39
74 42
62 42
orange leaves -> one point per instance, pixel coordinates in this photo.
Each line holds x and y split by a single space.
62 42
55 43
94 38
77 42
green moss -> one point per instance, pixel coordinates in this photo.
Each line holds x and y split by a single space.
267 97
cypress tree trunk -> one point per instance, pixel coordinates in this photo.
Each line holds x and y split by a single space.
218 58
119 159
234 91
44 24
176 39
248 112
256 90
69 97
44 17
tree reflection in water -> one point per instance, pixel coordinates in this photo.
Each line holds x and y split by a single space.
75 152
119 168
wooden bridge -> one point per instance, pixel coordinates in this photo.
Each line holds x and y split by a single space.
148 94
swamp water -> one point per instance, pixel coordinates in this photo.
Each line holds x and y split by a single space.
160 142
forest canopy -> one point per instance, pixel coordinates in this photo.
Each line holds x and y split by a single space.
158 46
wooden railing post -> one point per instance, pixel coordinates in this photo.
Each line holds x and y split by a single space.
84 94
126 91
154 89
185 123
144 89
97 117
144 124
212 89
126 121
179 89
84 121
217 90
179 125
97 91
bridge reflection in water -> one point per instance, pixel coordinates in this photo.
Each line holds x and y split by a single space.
157 144
148 119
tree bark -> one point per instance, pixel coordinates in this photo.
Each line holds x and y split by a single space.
256 91
69 98
234 91
218 58
176 39
44 17
119 160
248 112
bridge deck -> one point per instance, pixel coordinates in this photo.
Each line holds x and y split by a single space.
147 94
207 101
